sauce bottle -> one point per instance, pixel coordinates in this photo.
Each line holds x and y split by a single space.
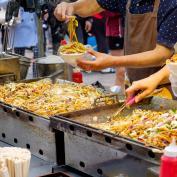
77 76
169 161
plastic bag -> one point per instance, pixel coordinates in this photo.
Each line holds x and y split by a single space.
173 76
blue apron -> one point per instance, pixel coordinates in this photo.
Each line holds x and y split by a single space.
25 33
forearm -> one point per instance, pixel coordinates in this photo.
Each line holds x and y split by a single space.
85 8
156 57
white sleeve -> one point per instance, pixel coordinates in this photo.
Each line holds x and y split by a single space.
3 2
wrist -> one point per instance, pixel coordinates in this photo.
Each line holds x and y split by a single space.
114 61
76 7
157 77
162 76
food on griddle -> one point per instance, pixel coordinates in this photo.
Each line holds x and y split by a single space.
47 99
74 47
152 128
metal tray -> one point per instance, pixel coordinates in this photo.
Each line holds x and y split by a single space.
77 124
22 128
97 103
10 64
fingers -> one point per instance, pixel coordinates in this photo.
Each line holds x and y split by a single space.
92 52
63 10
141 96
86 28
131 91
63 13
69 11
57 12
139 86
86 65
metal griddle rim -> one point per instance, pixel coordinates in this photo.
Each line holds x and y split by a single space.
30 112
103 132
21 110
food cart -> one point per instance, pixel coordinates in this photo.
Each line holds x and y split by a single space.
70 142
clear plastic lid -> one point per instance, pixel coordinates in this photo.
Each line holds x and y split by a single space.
171 150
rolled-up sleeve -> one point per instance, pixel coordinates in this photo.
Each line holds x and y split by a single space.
167 33
110 5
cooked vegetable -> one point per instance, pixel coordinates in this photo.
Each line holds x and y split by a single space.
47 99
152 128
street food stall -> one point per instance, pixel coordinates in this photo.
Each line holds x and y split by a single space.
73 124
80 130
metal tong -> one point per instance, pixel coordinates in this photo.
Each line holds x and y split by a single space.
131 101
128 102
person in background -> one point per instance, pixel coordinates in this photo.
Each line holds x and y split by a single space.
86 26
98 29
3 5
45 28
58 29
24 33
96 26
114 33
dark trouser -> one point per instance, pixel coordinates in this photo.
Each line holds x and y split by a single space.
20 50
98 30
55 48
81 33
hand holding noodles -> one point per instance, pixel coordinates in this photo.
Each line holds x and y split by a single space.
74 46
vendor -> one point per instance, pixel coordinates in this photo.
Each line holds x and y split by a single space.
150 33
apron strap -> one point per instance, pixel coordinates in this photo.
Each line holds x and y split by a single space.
128 5
156 6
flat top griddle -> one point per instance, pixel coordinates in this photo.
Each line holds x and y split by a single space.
78 123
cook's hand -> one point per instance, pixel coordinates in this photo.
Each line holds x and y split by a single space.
63 11
102 61
145 87
88 26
